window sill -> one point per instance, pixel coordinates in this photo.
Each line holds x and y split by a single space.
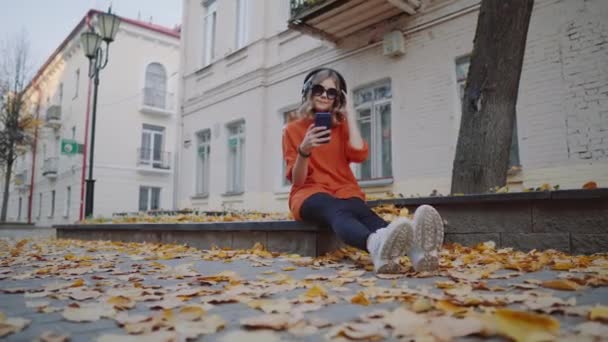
232 194
371 183
203 69
236 54
200 196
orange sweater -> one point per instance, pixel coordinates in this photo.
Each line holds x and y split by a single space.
328 166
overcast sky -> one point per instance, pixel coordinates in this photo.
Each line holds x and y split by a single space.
48 22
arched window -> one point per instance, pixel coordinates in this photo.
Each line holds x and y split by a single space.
155 92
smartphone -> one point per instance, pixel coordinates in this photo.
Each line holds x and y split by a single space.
323 119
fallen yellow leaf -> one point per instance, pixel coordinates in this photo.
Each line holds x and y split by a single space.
121 302
599 313
561 284
524 326
316 291
360 299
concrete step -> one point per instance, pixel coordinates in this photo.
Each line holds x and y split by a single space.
573 221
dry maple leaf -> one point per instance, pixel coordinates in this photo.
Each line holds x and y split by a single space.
251 336
190 313
281 305
208 325
358 331
90 313
12 325
405 322
316 291
51 336
590 185
451 308
157 336
268 321
524 326
80 294
121 302
561 284
360 299
595 329
599 313
421 304
447 328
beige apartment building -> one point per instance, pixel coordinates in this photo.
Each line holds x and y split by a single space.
405 62
135 131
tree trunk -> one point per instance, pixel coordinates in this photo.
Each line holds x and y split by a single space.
488 106
7 180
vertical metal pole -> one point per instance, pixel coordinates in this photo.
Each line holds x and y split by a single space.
88 212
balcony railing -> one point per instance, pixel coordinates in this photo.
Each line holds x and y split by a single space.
335 20
53 116
299 6
49 167
157 101
152 159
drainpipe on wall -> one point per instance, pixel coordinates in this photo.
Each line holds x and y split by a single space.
30 200
84 150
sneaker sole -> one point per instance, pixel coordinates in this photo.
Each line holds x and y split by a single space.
391 267
427 236
396 244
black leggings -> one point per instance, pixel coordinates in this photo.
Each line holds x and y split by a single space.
351 219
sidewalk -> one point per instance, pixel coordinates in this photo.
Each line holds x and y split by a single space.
170 292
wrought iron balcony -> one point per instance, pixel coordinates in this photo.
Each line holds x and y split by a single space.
53 116
153 160
50 166
335 20
158 101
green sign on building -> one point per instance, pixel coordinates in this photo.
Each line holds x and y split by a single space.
69 147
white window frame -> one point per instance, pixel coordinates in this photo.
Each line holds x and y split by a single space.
203 162
284 184
68 202
235 164
155 132
149 190
242 23
209 28
375 145
155 86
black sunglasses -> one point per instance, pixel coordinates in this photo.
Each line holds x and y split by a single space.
318 90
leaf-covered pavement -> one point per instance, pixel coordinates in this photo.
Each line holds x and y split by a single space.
55 290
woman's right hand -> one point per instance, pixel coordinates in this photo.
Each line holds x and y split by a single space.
315 136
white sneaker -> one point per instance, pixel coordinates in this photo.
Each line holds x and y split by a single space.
388 243
426 239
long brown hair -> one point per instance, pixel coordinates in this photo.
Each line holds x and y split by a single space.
306 110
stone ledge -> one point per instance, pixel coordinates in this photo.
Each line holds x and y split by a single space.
574 221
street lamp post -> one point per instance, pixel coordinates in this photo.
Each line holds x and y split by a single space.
98 59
